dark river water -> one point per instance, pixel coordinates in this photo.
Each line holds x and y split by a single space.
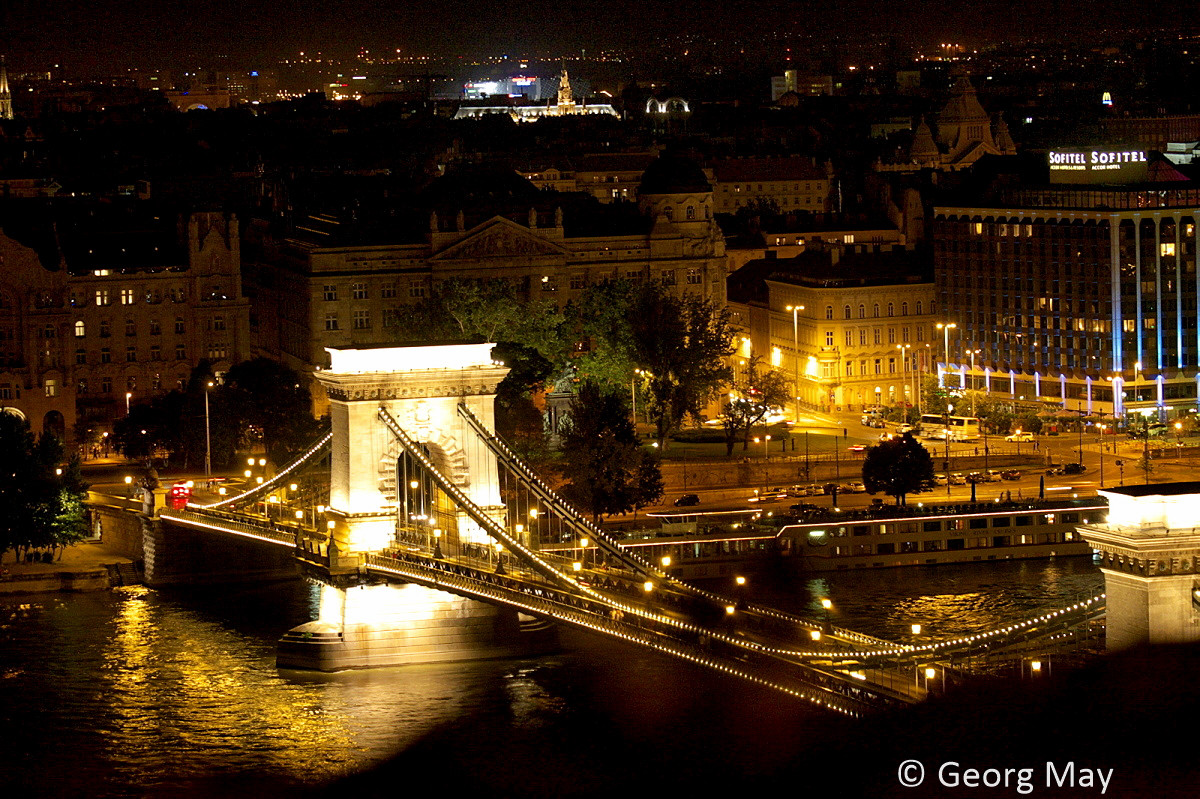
138 692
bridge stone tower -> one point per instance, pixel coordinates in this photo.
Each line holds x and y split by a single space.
1150 545
421 386
363 626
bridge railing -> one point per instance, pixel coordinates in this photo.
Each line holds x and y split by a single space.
315 452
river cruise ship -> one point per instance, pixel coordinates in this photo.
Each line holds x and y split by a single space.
715 545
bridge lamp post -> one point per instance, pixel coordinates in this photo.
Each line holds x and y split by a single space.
583 546
437 543
499 561
827 604
647 586
945 328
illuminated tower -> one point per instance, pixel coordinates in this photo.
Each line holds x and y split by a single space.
5 94
566 102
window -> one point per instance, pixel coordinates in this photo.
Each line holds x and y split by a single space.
218 323
670 212
179 325
218 353
330 293
904 309
131 383
102 297
105 355
549 283
828 338
846 312
891 366
920 333
875 311
918 307
155 327
153 296
106 385
862 337
849 338
891 335
80 357
391 317
131 355
155 352
48 331
362 320
878 336
828 311
416 288
130 327
891 309
180 353
691 212
359 291
849 368
388 292
80 329
878 366
331 321
178 295
127 296
693 276
862 312
82 386
904 334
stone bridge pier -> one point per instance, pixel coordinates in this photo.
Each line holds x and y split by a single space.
1150 556
379 625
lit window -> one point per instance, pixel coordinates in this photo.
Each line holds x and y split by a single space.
1167 248
80 329
776 356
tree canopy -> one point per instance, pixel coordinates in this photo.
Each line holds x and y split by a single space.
898 467
41 497
751 397
607 469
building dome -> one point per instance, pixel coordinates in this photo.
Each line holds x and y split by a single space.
674 174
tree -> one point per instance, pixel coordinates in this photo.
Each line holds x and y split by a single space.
272 398
607 470
898 467
41 499
749 400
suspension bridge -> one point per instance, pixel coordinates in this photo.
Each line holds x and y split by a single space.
411 486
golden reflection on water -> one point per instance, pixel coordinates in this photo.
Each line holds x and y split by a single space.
190 686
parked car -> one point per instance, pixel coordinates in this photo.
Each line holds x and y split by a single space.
1053 470
905 428
993 476
687 499
1019 436
798 491
940 479
805 507
1073 468
829 488
976 477
856 488
957 479
1010 474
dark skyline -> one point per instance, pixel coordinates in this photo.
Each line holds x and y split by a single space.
110 35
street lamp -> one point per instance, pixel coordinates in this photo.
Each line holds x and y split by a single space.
128 397
945 328
633 390
207 438
904 348
796 309
973 353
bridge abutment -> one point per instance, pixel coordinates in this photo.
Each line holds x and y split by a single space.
1150 550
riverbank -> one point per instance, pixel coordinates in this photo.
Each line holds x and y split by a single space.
83 567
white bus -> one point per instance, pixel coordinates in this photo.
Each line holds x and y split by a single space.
957 428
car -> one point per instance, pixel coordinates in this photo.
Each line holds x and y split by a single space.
940 479
1073 468
976 477
957 479
1010 474
856 448
905 428
992 476
856 488
686 500
886 436
1019 436
829 488
1053 470
805 507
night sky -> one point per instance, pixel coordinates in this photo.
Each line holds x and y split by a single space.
105 34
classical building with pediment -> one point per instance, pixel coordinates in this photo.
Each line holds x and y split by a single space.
312 292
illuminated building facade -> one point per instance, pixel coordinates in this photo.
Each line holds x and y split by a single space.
120 314
793 183
863 331
565 105
1080 296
